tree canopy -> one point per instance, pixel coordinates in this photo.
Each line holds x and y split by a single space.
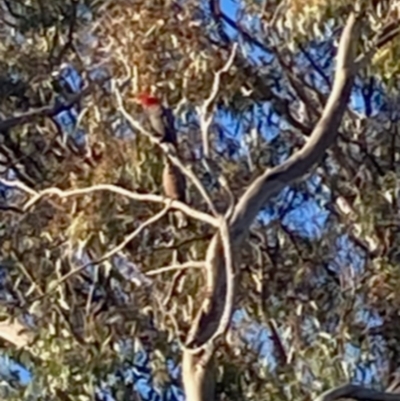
284 283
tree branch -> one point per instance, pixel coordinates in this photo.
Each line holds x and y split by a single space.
15 333
225 319
36 196
323 135
46 111
357 393
206 116
177 267
169 151
207 321
108 254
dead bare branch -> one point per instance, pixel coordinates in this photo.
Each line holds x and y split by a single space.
278 345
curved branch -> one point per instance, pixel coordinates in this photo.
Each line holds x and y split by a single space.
357 393
224 321
322 136
207 321
272 181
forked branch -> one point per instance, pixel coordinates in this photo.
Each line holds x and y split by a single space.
272 181
208 320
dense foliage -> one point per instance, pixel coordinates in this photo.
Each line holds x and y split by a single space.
317 296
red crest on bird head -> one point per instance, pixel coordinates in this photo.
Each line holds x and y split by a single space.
146 99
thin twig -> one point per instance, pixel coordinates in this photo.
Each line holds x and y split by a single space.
276 340
11 208
19 185
172 287
181 266
111 252
206 116
48 111
384 36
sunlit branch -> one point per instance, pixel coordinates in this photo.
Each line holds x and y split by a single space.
37 195
15 333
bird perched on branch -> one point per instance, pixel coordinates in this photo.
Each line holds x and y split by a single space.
162 124
160 118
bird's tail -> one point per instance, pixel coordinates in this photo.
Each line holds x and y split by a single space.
181 219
